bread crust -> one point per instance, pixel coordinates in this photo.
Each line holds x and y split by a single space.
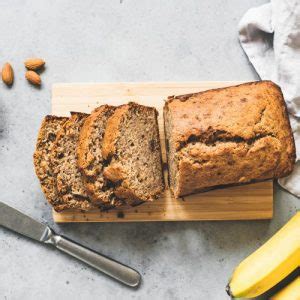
213 124
112 131
41 157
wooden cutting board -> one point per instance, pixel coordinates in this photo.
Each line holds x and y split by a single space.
248 202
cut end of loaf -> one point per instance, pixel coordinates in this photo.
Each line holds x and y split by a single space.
49 129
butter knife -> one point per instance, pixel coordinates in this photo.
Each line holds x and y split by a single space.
17 221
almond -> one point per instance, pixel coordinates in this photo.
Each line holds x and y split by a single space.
33 77
7 74
34 63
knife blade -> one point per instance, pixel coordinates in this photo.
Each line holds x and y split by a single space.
16 221
23 224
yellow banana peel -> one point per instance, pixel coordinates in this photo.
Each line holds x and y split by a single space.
268 265
290 292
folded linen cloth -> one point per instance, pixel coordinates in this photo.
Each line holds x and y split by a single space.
270 36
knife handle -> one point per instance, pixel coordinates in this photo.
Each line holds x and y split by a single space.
100 262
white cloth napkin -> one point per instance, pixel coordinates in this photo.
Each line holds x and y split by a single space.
270 36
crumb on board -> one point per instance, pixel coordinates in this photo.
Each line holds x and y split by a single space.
120 214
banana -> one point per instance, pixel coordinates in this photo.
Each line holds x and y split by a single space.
268 265
290 292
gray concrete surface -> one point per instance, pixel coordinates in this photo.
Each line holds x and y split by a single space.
94 41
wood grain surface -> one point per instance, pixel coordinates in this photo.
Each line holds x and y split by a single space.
247 202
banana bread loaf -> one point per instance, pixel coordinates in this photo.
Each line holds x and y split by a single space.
132 147
41 157
90 159
225 136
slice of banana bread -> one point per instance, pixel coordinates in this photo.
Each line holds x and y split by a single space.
90 159
41 157
132 146
70 187
231 135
